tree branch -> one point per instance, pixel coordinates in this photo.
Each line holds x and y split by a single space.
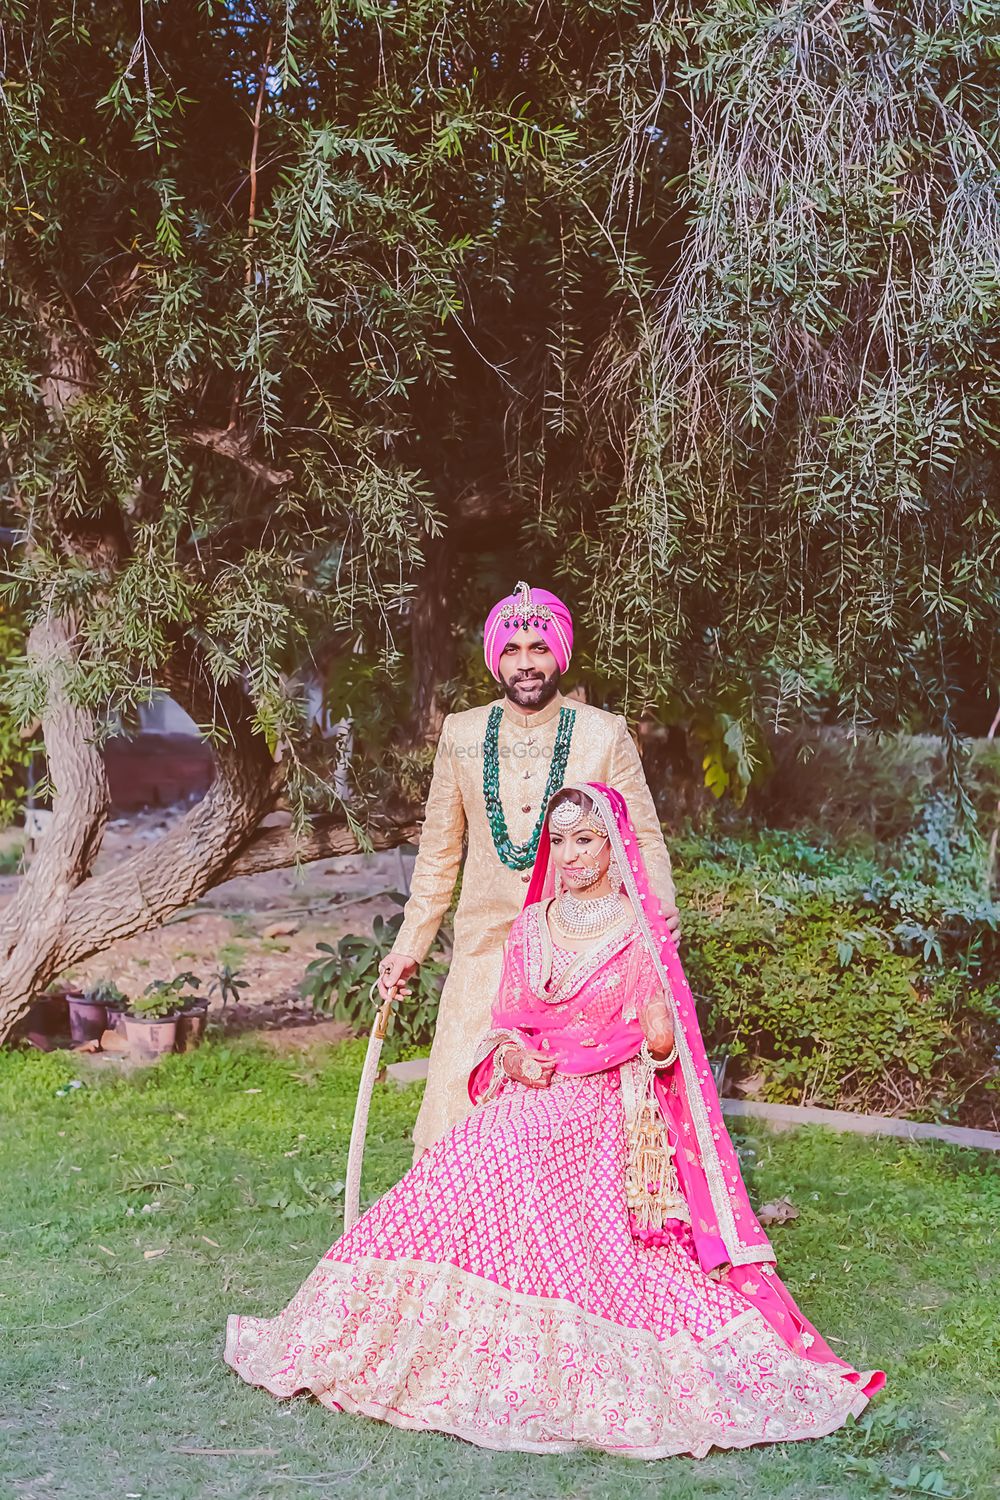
329 838
228 443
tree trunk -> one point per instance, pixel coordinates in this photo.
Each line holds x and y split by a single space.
62 913
431 643
991 852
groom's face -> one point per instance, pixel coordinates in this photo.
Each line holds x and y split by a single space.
528 670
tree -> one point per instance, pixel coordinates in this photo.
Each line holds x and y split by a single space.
807 514
318 321
267 275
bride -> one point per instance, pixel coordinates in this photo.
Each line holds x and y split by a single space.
577 1264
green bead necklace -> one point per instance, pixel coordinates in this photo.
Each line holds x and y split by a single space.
520 856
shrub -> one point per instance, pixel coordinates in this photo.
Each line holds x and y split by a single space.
339 983
838 982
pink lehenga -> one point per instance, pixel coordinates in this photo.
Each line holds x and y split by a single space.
576 1266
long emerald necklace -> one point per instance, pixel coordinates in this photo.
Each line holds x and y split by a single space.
520 856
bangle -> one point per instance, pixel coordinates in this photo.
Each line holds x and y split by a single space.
499 1074
657 1062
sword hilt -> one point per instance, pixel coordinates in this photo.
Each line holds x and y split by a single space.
384 1016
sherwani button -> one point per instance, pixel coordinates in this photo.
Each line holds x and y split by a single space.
526 878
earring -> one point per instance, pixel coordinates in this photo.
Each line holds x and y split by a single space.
614 875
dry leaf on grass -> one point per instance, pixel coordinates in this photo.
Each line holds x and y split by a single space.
152 1254
778 1212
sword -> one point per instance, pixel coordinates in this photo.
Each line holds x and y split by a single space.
356 1150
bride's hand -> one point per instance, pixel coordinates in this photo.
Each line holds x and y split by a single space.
540 1067
657 1028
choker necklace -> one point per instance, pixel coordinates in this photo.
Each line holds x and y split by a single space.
588 918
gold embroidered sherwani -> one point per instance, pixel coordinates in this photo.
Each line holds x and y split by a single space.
601 749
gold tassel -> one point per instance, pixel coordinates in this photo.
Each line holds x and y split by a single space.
652 1188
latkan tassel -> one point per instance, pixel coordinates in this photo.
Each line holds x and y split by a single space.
652 1188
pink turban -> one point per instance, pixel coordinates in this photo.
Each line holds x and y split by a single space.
532 608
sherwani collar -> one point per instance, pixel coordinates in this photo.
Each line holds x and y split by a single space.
541 716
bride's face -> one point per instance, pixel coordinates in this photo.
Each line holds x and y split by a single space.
582 858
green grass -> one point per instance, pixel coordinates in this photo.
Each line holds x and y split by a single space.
110 1361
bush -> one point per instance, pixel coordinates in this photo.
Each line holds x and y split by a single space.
841 982
339 981
880 784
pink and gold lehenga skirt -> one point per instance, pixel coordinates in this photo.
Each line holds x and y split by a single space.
497 1293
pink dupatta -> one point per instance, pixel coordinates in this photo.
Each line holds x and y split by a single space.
728 1239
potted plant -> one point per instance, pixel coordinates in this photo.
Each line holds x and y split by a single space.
151 1019
192 1015
48 1016
88 1016
105 992
92 1009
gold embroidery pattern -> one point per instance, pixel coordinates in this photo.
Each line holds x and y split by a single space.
425 1346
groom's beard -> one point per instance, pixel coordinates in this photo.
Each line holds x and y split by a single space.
532 689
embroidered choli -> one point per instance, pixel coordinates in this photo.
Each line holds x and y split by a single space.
564 1001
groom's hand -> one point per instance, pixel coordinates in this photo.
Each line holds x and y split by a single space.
395 969
673 917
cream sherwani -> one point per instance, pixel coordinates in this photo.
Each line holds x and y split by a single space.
601 749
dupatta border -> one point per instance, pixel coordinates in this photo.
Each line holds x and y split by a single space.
740 1253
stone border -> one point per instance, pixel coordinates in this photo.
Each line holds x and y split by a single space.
787 1116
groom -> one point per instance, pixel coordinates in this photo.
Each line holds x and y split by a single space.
495 768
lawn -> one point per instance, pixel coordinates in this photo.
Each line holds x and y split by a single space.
137 1212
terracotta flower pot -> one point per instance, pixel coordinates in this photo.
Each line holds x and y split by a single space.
47 1019
151 1038
191 1027
88 1019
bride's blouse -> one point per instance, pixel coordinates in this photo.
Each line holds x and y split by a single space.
613 978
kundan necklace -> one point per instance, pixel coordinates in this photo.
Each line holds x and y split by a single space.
520 856
588 918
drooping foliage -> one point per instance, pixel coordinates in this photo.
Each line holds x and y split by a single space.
808 519
689 308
